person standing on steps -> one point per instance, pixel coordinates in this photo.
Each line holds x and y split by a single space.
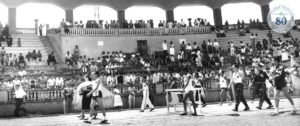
237 81
19 42
41 29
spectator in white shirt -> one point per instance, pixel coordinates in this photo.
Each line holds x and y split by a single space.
51 82
20 94
59 82
109 80
216 45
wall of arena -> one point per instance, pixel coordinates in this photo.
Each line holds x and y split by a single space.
89 45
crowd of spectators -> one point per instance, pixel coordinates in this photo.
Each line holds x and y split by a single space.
114 24
33 82
19 60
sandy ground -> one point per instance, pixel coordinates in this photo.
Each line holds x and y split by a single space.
213 114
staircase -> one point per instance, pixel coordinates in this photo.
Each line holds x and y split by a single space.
29 42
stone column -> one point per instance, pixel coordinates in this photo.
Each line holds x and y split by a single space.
36 24
218 17
265 9
69 16
121 17
169 16
12 18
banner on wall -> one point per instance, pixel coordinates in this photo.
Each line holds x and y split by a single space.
182 40
100 43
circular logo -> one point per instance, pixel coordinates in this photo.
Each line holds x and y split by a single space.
281 19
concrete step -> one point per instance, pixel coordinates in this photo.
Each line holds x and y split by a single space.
25 42
25 36
44 54
26 48
15 45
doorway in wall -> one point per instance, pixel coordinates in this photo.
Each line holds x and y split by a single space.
142 47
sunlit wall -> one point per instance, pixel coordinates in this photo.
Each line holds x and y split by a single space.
145 13
46 13
93 12
3 14
241 11
185 12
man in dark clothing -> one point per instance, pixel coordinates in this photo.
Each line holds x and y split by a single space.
260 78
28 56
9 41
21 60
120 79
51 59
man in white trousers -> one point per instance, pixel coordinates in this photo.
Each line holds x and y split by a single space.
146 101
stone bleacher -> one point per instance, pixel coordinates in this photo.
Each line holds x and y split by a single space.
28 43
262 34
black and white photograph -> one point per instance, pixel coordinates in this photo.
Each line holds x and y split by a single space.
149 62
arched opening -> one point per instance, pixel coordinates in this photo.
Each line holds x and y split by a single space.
291 4
145 13
4 14
45 13
241 11
194 12
93 12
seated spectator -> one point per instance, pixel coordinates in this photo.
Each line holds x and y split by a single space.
34 55
51 82
242 32
51 59
222 33
6 59
59 82
66 30
9 41
10 60
28 56
287 34
68 59
76 51
2 54
39 56
14 60
93 67
21 61
80 25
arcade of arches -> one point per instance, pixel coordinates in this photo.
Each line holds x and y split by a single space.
169 6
